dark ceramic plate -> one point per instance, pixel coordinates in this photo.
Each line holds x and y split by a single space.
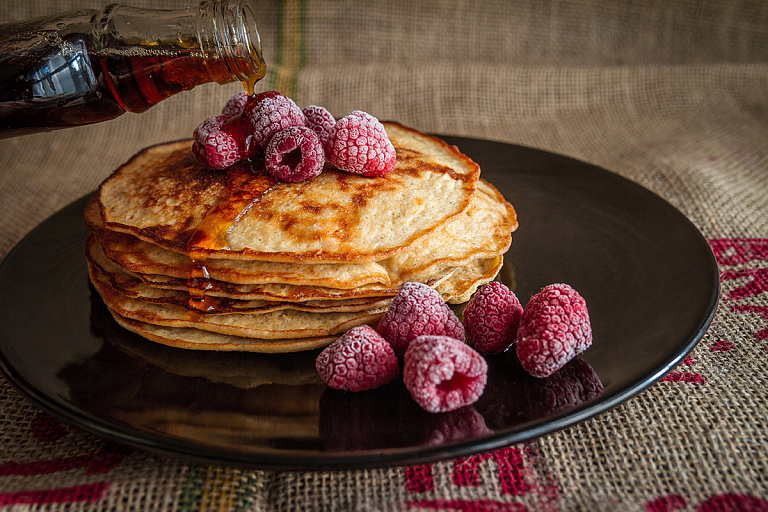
648 276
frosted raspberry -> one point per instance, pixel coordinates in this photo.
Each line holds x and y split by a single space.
360 359
491 318
222 141
418 310
235 104
219 151
358 143
294 155
271 113
320 120
443 373
212 124
254 100
554 328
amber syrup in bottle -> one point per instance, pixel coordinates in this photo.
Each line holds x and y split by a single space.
88 66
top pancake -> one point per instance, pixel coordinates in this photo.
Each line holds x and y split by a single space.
164 196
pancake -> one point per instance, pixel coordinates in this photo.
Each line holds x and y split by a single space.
284 321
482 231
165 197
290 293
465 280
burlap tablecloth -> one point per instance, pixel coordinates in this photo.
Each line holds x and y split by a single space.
672 95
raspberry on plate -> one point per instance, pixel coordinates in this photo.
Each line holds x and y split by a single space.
418 310
358 143
360 359
554 328
443 374
294 154
270 113
320 120
491 318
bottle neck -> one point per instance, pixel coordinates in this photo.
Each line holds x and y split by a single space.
228 34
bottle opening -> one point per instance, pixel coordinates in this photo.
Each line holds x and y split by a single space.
227 29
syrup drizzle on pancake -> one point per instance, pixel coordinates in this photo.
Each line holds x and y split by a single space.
245 187
199 300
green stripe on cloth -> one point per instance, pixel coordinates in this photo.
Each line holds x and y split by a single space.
192 489
213 488
217 488
290 55
251 492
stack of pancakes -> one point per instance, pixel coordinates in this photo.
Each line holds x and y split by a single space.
237 260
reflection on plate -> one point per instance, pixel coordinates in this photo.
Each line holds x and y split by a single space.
278 400
648 276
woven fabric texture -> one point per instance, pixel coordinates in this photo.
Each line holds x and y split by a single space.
671 95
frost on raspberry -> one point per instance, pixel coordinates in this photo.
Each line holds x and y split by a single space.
358 143
254 100
418 310
491 318
443 374
360 359
294 154
235 104
320 120
554 328
271 113
218 151
208 126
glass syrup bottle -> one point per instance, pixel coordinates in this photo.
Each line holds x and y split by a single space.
87 66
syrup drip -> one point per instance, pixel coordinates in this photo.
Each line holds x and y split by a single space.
244 189
199 301
250 82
